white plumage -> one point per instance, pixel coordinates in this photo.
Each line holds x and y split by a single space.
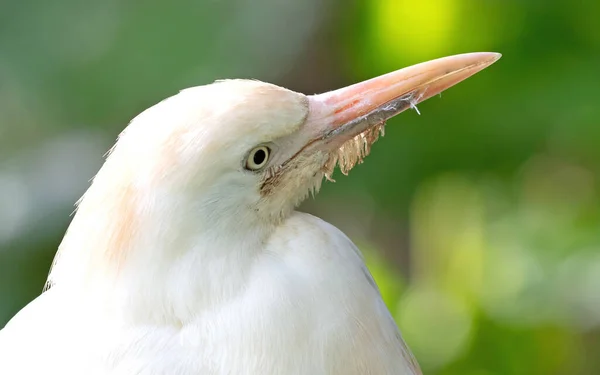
186 256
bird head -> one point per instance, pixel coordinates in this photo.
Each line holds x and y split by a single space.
239 155
244 145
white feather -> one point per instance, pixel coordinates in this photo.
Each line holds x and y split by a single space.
179 262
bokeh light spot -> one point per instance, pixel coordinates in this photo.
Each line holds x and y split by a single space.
436 325
419 29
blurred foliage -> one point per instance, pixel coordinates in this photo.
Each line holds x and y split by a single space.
479 219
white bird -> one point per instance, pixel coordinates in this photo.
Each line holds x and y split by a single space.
186 257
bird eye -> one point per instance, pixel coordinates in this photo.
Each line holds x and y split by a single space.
258 158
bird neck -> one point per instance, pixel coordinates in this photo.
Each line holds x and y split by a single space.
149 259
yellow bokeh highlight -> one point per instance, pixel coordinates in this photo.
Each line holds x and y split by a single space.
448 239
437 326
414 29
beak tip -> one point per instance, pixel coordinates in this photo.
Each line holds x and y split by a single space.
477 61
493 56
478 58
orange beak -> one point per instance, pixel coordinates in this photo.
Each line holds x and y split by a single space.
340 115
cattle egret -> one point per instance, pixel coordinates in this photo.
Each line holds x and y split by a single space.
186 257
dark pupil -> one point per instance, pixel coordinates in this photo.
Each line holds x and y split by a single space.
259 157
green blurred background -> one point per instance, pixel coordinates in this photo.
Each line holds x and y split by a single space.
480 218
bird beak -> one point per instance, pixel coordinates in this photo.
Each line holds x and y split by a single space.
337 116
